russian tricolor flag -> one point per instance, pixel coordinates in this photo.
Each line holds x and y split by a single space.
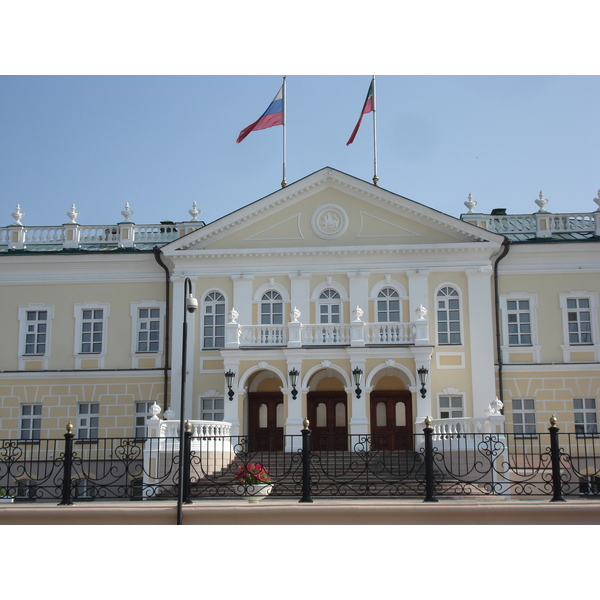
271 117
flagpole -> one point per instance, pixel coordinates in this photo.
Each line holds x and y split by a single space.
284 182
375 177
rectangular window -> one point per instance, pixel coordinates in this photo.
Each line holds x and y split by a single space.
87 421
451 407
92 330
523 411
31 421
148 334
519 322
142 414
586 416
212 409
579 321
37 329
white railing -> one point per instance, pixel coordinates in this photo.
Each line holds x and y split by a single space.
457 428
390 333
541 224
325 335
263 335
73 235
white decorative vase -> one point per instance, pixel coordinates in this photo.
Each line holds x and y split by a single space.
254 492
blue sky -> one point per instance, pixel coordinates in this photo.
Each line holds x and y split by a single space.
161 142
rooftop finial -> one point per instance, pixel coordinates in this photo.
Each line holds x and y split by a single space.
127 212
597 201
541 202
470 203
18 215
194 211
72 214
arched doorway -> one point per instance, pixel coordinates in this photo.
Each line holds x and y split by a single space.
327 409
266 417
391 415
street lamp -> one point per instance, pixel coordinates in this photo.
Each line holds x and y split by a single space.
294 380
229 377
357 375
190 304
423 372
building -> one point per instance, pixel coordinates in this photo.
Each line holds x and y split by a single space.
388 311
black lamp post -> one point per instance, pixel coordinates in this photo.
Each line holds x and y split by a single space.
294 380
190 304
357 375
423 372
229 377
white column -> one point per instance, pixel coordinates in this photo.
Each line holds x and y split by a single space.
293 422
359 294
231 412
358 423
418 292
242 298
300 295
481 338
422 356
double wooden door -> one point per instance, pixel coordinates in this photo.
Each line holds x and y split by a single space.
328 416
265 421
391 420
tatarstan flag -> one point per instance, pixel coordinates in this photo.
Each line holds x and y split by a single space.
367 108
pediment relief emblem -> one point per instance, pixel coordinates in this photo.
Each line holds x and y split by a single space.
329 221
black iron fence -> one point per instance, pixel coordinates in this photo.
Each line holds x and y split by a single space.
551 464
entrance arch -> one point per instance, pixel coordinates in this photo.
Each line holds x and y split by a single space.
327 408
391 414
266 418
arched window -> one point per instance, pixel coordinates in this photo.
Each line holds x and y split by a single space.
214 320
388 306
330 307
448 316
271 309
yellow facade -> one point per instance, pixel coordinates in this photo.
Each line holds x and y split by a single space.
325 276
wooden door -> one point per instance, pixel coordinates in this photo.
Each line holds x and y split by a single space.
391 420
328 416
265 421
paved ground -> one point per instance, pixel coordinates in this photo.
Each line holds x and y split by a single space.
271 511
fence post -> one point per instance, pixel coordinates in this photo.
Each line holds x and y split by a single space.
429 483
67 466
306 462
555 456
187 453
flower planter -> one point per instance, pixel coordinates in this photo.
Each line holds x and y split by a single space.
254 492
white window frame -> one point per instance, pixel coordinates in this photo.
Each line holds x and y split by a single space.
30 422
214 317
271 298
141 414
507 349
88 420
525 426
452 406
23 331
79 309
330 299
387 299
460 320
585 415
208 407
136 321
569 348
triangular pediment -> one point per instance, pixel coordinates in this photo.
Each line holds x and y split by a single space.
329 209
